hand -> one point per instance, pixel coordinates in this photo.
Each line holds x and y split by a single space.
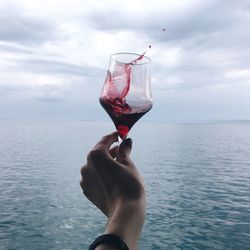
111 181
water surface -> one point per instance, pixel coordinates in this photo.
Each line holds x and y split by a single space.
197 180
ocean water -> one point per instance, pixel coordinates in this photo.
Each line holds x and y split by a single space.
197 180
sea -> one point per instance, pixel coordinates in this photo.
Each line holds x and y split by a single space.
197 179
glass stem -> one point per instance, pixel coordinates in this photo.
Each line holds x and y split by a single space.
119 141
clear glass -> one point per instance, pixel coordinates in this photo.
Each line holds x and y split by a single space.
126 94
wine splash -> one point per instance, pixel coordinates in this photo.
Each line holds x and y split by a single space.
140 57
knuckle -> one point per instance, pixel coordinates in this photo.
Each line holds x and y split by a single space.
124 160
84 170
104 137
91 155
96 153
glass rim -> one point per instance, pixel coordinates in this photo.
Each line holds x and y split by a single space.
148 60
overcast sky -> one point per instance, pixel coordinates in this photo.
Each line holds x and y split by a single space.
54 56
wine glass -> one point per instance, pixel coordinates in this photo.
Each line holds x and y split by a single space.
126 94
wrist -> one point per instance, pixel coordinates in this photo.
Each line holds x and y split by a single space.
127 222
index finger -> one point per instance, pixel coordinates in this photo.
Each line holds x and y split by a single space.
107 141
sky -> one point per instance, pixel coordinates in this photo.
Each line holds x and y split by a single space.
54 56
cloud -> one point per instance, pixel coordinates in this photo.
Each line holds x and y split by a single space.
206 55
20 27
53 67
7 47
202 40
180 21
51 54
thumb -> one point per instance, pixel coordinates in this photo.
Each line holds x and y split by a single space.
125 149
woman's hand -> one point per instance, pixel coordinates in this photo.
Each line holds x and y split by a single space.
111 181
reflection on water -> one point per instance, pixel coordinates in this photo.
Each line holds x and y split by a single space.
196 175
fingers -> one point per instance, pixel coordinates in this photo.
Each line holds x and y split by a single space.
124 150
107 141
125 147
114 151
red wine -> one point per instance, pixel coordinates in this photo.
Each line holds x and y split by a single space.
118 88
120 114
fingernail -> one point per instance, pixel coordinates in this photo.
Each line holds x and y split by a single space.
128 142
